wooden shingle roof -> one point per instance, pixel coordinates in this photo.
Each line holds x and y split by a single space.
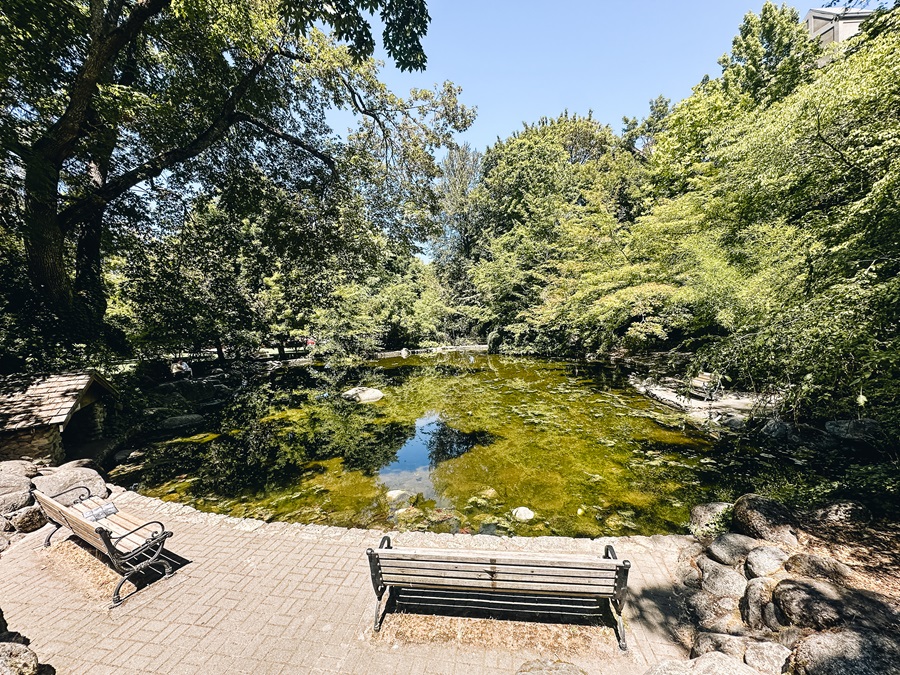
34 401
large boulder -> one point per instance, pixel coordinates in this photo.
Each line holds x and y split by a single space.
847 651
713 663
808 565
29 519
764 561
714 613
767 657
820 604
763 518
755 600
721 580
19 467
841 514
181 422
15 492
64 479
4 544
706 518
17 659
732 548
762 656
865 430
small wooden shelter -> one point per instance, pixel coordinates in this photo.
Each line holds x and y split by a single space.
38 413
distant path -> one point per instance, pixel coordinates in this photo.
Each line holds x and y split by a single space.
287 598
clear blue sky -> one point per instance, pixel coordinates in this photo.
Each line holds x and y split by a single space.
520 60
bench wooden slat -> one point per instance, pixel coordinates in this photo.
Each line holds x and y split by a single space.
534 570
431 582
525 580
506 557
115 523
549 602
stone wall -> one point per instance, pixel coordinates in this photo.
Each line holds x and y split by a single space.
35 443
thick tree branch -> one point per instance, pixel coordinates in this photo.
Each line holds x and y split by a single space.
60 138
327 160
153 167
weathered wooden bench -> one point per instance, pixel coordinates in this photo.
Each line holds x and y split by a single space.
130 544
572 585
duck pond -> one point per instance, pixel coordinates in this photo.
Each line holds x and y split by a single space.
460 442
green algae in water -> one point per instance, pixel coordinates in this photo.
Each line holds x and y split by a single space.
456 444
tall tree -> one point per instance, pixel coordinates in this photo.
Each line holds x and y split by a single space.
100 99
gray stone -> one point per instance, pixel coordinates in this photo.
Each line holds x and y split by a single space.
841 513
847 652
182 422
522 514
733 421
731 548
715 614
548 667
732 645
671 668
717 663
776 430
65 479
29 519
706 517
85 463
721 580
820 604
363 394
758 595
809 565
19 467
14 492
17 659
688 573
764 518
5 525
764 561
766 657
4 544
855 430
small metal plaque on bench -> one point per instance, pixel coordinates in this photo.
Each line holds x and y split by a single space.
100 512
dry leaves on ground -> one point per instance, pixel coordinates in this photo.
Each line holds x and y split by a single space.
83 570
543 638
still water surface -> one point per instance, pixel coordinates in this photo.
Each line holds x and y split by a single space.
456 444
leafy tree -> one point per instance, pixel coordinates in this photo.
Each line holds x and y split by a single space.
109 109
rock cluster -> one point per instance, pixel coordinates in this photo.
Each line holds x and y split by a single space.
764 605
18 512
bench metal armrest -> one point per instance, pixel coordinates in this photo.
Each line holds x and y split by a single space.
385 542
162 529
609 553
72 489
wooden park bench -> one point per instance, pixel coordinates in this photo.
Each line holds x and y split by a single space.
131 545
495 581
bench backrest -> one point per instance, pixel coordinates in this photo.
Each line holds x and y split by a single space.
66 515
512 572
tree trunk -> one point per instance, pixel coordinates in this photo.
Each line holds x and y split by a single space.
44 239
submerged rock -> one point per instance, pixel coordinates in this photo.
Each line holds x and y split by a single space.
522 513
855 430
182 422
397 495
363 394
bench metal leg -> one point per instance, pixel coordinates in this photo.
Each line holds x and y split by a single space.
116 599
620 626
378 617
56 527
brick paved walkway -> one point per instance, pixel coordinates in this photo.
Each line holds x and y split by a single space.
283 598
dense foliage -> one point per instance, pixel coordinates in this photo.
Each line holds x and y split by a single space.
171 182
754 224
